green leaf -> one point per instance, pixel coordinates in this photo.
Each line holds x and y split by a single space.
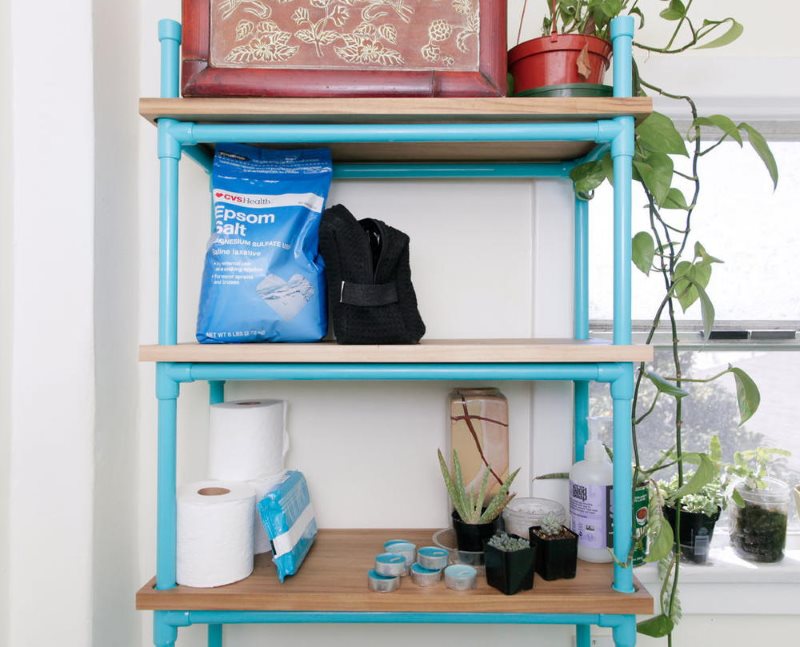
675 11
761 147
656 627
687 277
658 134
643 251
734 31
675 200
701 253
706 309
725 124
662 539
706 472
715 449
747 394
737 498
663 386
587 177
655 171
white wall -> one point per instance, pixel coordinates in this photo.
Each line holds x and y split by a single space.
51 362
116 572
6 268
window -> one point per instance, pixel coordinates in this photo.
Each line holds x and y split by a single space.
755 230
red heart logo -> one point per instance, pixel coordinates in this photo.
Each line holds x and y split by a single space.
218 194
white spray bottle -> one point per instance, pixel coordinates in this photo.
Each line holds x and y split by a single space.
590 496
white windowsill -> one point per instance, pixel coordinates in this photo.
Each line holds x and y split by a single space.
728 584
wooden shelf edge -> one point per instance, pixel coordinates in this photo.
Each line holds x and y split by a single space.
333 578
429 351
395 110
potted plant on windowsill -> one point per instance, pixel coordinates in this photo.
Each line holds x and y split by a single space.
474 519
699 514
509 563
556 549
759 518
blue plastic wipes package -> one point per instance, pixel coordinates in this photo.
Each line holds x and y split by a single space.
263 277
288 518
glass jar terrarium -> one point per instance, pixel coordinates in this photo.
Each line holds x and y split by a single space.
758 528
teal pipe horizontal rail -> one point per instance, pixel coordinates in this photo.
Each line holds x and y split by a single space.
190 372
423 171
188 133
188 618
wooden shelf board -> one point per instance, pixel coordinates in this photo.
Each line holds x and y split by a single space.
428 351
334 578
403 110
407 110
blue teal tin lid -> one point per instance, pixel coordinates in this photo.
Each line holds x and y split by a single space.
433 551
421 570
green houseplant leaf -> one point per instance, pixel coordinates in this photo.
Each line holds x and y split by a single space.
675 200
656 627
735 30
747 394
658 134
655 170
725 124
643 251
761 147
706 472
667 388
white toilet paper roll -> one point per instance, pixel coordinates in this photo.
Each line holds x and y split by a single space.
215 533
262 486
247 440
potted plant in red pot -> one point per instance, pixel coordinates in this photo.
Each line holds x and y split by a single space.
475 519
572 55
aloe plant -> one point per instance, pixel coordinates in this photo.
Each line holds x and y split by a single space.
469 504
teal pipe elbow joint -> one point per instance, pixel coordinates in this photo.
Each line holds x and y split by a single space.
622 386
169 146
622 26
167 387
623 143
169 30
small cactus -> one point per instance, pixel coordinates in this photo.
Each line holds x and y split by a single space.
551 526
507 543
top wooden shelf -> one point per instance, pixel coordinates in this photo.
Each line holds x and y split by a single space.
412 110
404 110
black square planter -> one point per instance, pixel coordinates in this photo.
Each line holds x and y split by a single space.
510 571
556 559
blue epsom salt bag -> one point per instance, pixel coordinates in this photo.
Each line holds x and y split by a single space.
263 277
288 518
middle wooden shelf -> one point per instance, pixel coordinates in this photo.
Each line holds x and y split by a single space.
428 351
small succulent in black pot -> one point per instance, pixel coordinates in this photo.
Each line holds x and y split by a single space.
556 548
509 563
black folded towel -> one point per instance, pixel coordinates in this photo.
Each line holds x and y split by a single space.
370 296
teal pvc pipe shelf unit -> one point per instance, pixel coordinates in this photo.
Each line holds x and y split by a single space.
615 134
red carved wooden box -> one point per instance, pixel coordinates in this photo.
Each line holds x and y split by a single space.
345 48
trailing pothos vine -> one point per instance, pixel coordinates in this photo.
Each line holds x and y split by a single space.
669 172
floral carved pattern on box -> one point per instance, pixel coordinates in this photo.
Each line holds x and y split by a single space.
346 34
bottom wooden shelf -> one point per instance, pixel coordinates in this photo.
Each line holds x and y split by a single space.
334 578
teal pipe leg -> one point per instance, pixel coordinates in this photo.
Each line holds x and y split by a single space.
581 425
583 636
622 394
164 633
216 392
214 635
167 391
625 632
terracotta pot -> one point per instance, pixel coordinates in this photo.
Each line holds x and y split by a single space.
553 60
